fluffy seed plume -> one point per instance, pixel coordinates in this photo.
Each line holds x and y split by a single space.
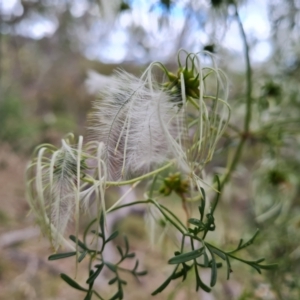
143 123
55 190
130 118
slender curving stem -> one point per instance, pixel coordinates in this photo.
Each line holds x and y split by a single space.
248 116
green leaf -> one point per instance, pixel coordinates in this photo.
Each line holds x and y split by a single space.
88 296
195 222
82 256
269 266
217 195
141 273
202 205
202 285
203 193
249 242
214 271
72 283
181 258
113 236
199 282
183 272
218 264
123 282
136 265
92 283
95 274
112 281
246 244
101 223
206 260
120 251
130 255
77 241
256 267
117 295
61 255
165 283
98 265
240 243
126 244
112 267
218 252
95 232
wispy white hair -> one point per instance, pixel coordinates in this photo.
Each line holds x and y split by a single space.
130 118
143 124
55 190
52 188
95 82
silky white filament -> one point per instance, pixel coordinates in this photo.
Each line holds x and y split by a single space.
129 118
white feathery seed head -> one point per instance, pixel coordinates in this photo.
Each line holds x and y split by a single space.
55 190
130 118
95 82
143 123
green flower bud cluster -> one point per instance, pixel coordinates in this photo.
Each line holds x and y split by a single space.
276 177
271 89
124 6
191 82
175 183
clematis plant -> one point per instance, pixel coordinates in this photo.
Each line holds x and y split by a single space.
140 129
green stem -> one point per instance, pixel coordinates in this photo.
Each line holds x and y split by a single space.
97 295
247 120
161 208
234 162
193 102
173 215
86 231
130 204
126 182
225 253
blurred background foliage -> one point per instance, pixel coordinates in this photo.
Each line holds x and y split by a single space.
47 48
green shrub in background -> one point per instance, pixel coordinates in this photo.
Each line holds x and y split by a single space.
16 127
